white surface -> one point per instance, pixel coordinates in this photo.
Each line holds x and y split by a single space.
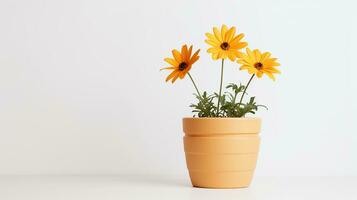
129 187
81 91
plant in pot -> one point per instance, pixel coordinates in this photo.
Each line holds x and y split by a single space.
221 142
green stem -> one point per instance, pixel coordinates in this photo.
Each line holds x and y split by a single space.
234 99
194 84
245 89
220 88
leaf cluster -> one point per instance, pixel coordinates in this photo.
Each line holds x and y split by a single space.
229 103
205 106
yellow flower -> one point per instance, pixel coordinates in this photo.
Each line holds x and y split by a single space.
224 43
259 63
181 62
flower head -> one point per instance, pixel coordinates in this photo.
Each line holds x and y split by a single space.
259 63
181 63
224 43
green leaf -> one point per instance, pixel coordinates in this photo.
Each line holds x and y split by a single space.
206 104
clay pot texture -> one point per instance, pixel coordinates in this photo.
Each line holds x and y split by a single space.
221 152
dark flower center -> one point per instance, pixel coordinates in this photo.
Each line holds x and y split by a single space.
225 46
258 65
182 66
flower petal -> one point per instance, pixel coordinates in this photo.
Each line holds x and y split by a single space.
215 56
239 54
243 67
257 55
190 51
175 77
243 62
270 76
184 53
223 32
251 55
167 68
177 55
194 59
171 75
252 70
183 73
212 43
196 53
232 57
212 50
230 33
239 45
236 39
259 74
212 37
171 61
265 55
217 34
272 70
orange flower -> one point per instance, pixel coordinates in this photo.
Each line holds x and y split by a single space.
181 63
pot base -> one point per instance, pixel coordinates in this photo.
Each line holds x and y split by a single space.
221 179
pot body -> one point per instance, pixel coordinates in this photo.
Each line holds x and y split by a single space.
221 152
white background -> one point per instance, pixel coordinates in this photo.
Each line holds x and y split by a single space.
81 91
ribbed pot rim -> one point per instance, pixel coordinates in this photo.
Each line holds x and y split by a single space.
222 118
221 126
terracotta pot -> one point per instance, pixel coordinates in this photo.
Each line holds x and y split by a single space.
221 152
